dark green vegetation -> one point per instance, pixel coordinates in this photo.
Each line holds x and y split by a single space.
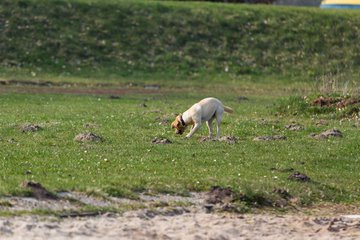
174 40
263 53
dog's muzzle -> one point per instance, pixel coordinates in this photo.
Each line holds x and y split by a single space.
179 132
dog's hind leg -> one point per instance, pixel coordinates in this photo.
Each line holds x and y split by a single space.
219 115
210 127
193 130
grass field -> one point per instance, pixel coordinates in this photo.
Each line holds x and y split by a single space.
273 67
127 161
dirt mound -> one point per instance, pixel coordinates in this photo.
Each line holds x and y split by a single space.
334 102
219 195
38 191
328 133
29 127
88 137
227 139
242 98
161 141
270 138
294 127
297 176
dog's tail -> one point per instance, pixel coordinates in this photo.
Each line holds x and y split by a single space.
228 109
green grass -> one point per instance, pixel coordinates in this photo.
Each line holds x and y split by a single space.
127 162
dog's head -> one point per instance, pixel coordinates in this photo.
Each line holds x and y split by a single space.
178 125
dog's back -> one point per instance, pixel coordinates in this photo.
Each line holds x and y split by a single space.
211 102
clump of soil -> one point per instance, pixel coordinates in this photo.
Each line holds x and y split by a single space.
297 176
294 127
321 122
88 137
329 133
38 191
242 98
161 141
229 139
30 127
219 195
270 138
334 102
221 199
282 193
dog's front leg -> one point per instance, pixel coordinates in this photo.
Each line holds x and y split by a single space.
210 127
193 130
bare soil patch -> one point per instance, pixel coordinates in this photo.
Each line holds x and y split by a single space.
161 141
294 127
30 127
170 217
112 90
328 133
38 191
227 139
334 102
297 176
164 221
88 137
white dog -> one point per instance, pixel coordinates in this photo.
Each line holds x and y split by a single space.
206 110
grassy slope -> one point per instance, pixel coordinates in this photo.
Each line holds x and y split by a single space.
146 38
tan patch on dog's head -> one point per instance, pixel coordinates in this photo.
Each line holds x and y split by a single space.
179 127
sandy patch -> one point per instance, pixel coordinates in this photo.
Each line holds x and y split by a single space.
184 225
160 218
